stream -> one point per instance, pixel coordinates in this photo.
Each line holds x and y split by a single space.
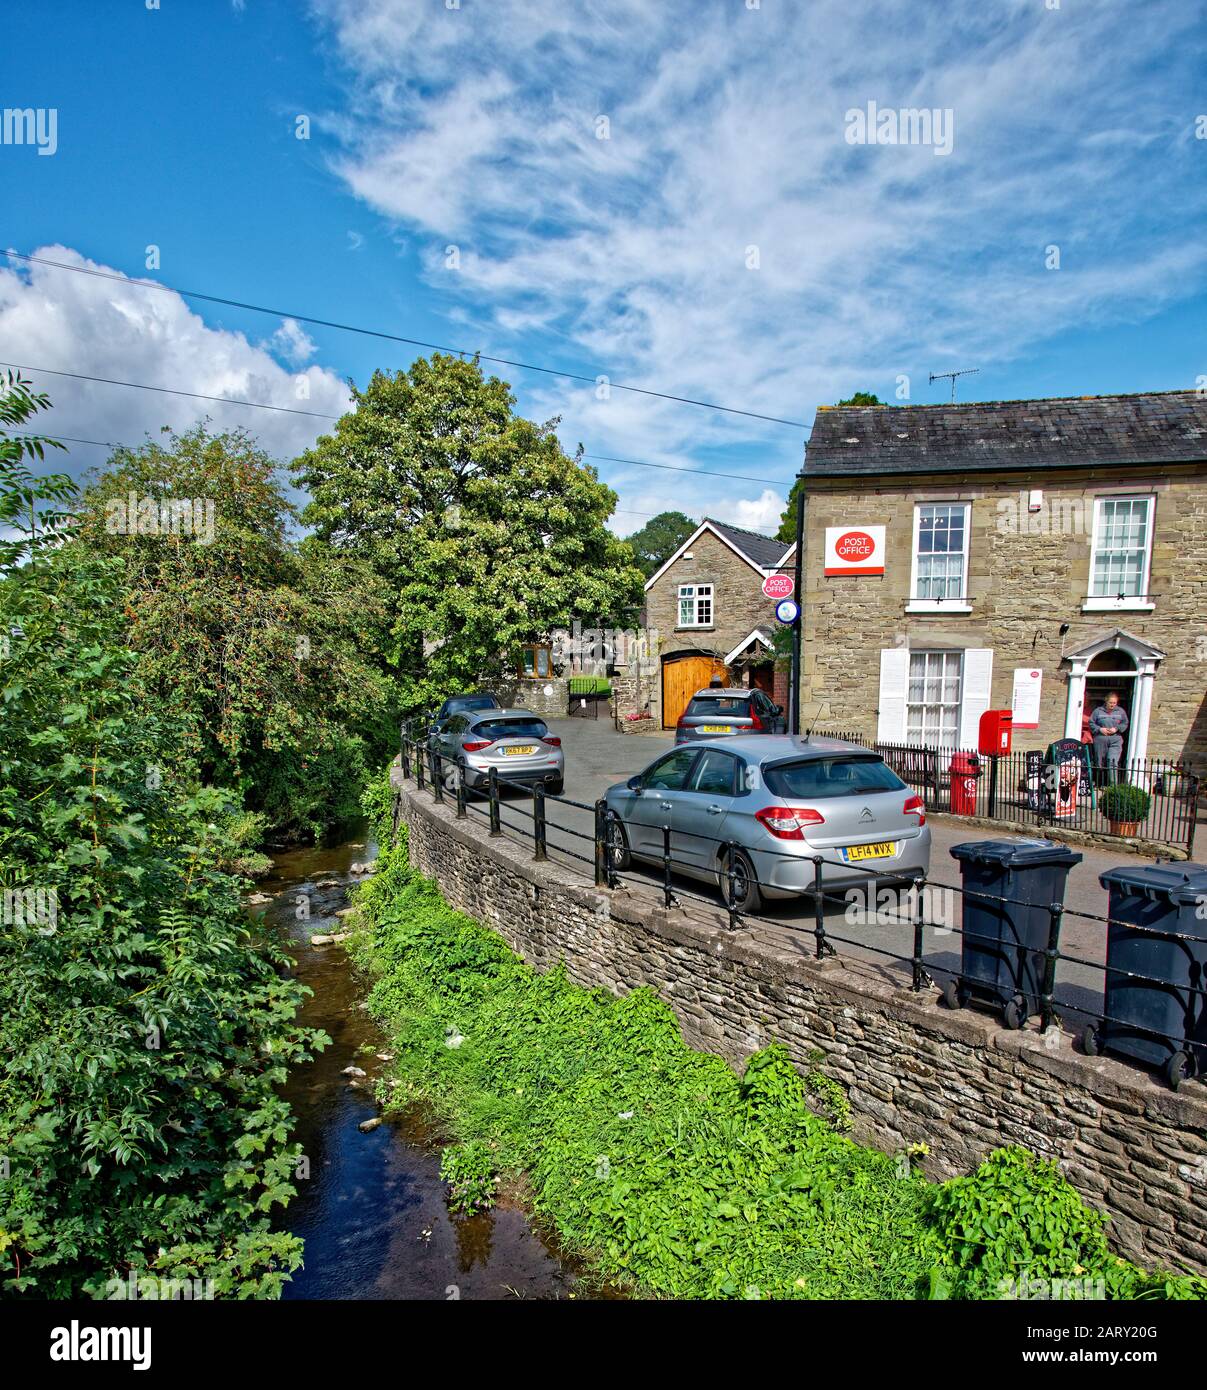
372 1211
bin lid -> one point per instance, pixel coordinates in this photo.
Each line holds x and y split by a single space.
1183 883
1011 854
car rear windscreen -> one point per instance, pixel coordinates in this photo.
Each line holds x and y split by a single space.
511 728
818 777
720 706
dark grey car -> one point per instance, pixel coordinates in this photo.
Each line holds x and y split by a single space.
780 801
718 712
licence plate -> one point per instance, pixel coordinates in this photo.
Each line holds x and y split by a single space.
715 729
884 850
513 749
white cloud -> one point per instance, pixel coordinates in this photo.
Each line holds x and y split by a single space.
63 322
477 127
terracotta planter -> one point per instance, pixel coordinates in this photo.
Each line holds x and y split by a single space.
1124 827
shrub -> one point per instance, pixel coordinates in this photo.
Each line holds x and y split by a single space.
1124 802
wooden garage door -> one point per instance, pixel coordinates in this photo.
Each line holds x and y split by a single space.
681 678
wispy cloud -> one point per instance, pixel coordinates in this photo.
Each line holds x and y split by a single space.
724 240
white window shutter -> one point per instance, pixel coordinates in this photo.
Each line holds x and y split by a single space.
894 679
974 701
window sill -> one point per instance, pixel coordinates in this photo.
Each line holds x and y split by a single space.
697 627
930 605
1117 605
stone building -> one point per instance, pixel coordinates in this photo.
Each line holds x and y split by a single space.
706 614
1025 555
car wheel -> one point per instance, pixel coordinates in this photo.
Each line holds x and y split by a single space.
746 894
1091 1044
951 995
1178 1069
617 843
557 787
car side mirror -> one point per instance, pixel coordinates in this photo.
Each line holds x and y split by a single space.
634 784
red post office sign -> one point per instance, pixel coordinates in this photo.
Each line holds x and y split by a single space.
854 550
778 586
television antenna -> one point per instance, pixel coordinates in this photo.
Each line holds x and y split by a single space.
940 376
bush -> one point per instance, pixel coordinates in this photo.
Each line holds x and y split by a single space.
1124 802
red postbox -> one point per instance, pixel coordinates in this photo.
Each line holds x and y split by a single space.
993 732
965 770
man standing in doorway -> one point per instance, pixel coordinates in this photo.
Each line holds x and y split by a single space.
1108 724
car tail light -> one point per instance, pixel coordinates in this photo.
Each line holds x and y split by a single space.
788 822
682 724
552 740
477 745
915 806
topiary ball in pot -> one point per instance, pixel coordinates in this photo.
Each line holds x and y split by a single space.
1125 806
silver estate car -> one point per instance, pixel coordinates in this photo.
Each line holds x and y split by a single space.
783 799
720 712
515 741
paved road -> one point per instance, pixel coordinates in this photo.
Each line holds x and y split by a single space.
597 756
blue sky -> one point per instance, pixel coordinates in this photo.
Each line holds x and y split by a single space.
727 240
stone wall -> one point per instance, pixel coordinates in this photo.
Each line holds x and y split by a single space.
1027 575
913 1070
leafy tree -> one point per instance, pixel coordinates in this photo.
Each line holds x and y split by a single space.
143 1029
26 521
483 532
787 531
256 647
659 538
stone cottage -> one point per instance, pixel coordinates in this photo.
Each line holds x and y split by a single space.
1027 555
706 615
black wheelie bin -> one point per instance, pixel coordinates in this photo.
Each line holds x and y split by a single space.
1156 963
1003 942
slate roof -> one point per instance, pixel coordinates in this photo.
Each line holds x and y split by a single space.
990 436
763 550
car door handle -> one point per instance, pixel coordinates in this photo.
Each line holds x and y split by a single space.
666 805
715 810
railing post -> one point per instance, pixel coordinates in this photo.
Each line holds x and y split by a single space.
819 910
1047 1011
437 774
1192 802
993 787
460 776
668 897
603 869
406 757
919 970
496 825
731 872
419 760
539 847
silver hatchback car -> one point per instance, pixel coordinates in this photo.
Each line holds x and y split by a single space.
780 800
723 711
515 741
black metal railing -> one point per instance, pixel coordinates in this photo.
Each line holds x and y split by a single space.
1021 787
444 776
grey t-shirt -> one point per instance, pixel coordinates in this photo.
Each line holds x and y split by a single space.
1106 723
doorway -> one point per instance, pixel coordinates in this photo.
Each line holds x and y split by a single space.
682 676
1111 670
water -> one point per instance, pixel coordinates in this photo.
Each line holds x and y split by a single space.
372 1212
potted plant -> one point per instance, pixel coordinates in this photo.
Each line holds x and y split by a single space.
1125 806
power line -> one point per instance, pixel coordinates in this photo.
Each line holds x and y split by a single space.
112 444
394 337
318 415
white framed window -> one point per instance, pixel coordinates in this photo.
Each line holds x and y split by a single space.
695 605
1121 553
932 701
939 572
